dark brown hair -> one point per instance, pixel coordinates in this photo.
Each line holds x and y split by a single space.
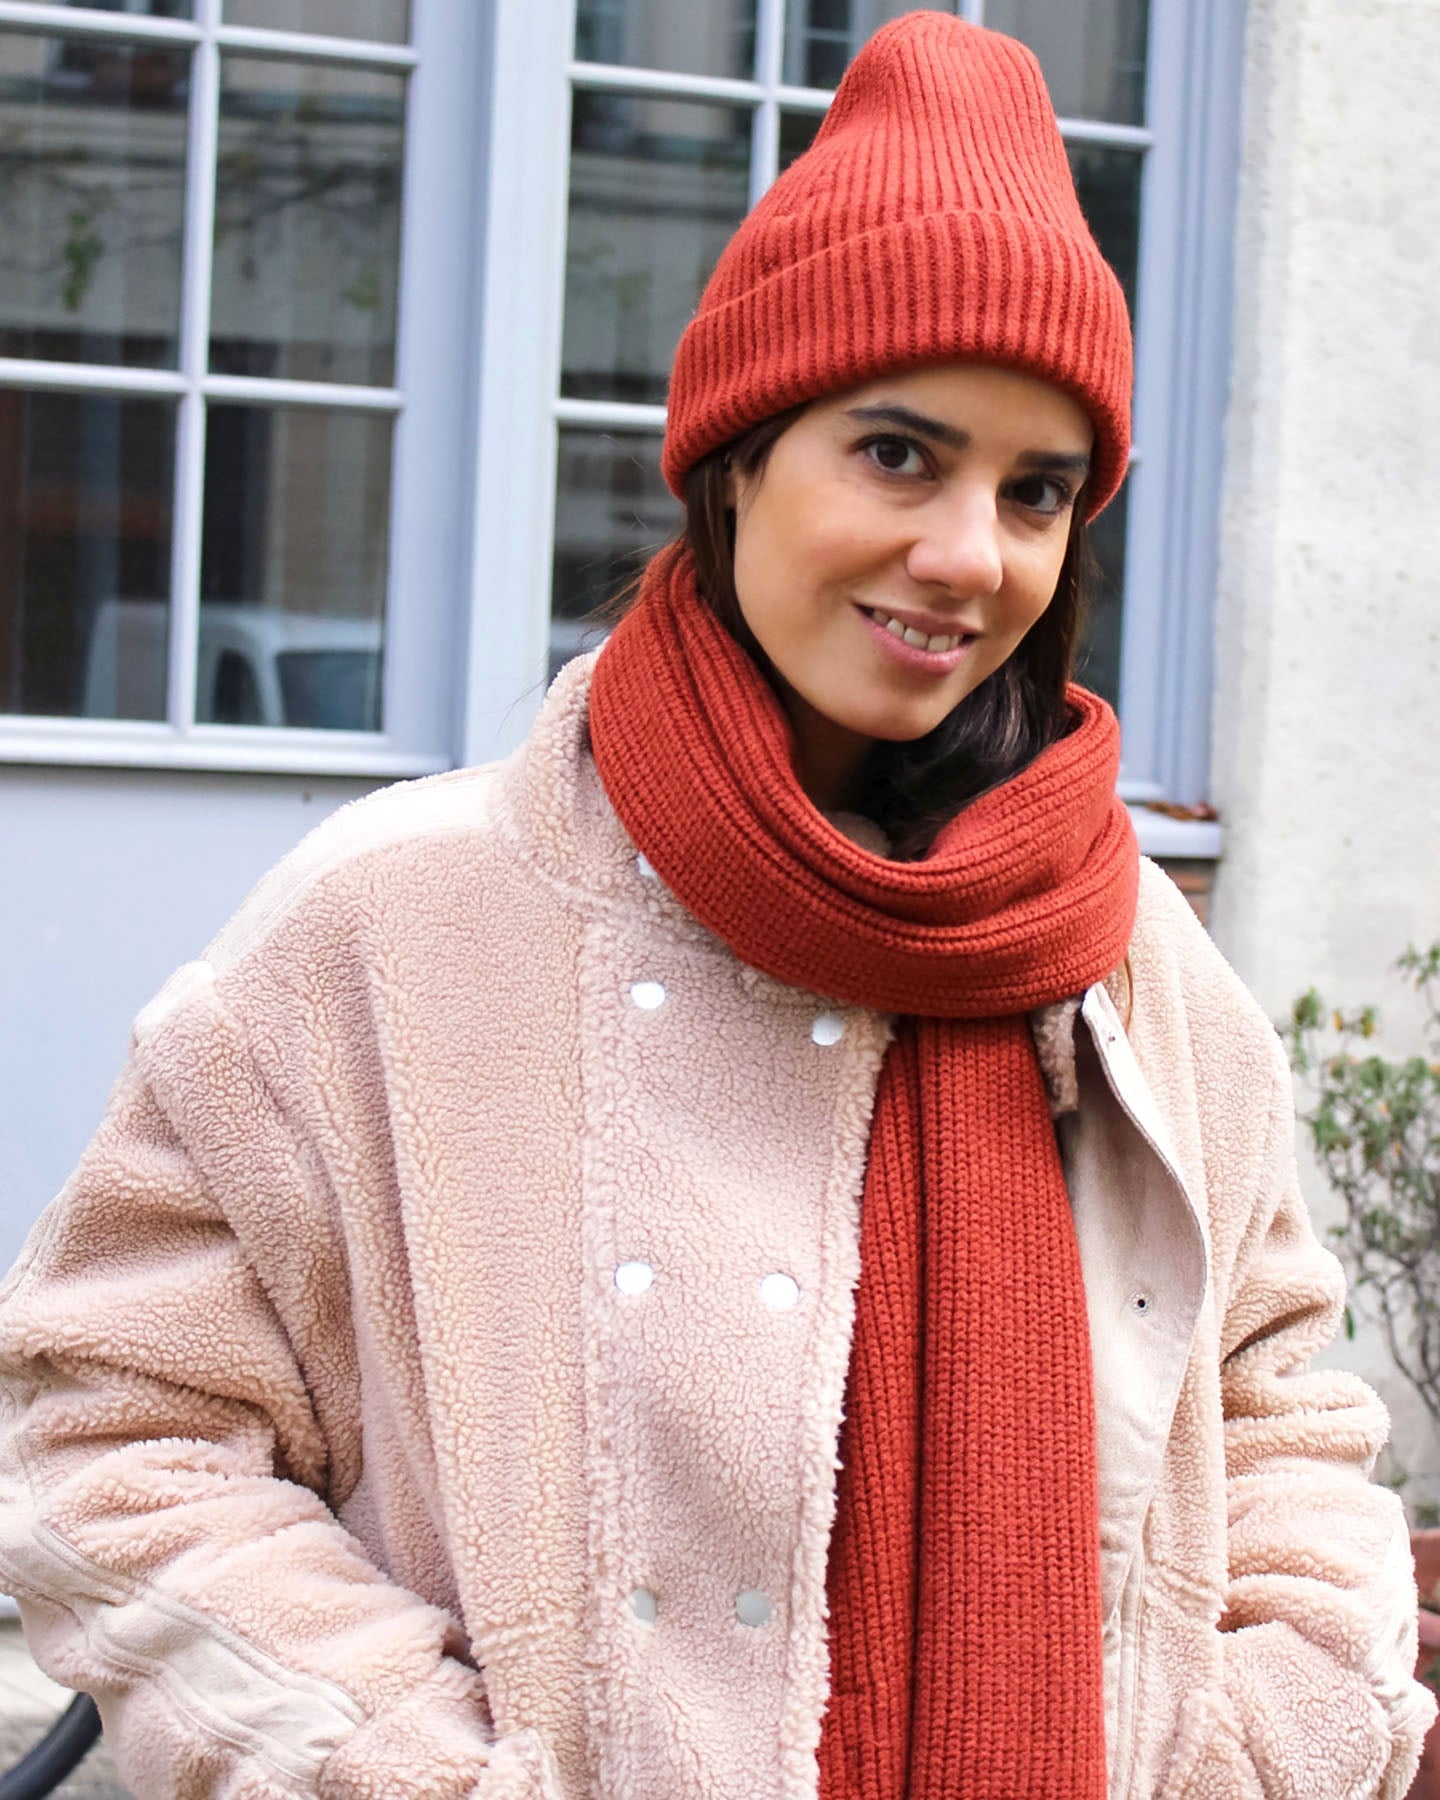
911 789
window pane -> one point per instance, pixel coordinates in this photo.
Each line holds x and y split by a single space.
797 134
656 189
85 522
1092 52
92 198
717 38
307 221
612 512
378 21
821 36
1098 662
294 566
1108 183
147 9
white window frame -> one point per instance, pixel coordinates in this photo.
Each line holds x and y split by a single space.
1182 371
432 403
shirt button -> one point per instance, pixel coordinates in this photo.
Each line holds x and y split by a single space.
647 995
780 1292
1141 1303
634 1277
753 1608
828 1029
646 867
642 1604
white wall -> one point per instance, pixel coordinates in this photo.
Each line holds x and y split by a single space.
111 878
1327 711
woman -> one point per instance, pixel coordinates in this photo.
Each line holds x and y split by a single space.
431 1383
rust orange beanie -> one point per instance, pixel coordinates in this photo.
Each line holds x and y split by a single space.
934 217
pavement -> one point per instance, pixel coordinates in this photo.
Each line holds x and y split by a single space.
29 1702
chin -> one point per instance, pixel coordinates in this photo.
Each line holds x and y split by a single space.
890 724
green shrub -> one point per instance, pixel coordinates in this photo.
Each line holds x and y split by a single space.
1375 1128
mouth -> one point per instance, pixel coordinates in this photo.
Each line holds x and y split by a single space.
905 637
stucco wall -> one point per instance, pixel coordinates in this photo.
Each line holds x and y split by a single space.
1327 710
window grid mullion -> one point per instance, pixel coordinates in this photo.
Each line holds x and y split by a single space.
299 45
764 147
201 152
769 68
612 415
272 390
618 78
90 378
81 22
254 40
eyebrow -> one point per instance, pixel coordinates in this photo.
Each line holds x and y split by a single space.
1047 462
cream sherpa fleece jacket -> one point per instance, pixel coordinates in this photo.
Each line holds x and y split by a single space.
395 1403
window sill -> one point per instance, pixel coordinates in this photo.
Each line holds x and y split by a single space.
224 749
1185 840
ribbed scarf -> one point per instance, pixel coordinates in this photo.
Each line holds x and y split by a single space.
964 1579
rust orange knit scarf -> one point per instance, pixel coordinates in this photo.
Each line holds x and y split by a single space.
964 1579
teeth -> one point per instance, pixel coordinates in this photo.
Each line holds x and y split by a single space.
918 639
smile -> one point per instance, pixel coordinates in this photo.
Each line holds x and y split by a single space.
918 640
937 652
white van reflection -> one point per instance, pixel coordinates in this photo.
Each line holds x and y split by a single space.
257 665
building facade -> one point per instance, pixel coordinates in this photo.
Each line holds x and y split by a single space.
333 343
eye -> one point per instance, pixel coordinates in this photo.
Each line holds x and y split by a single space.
895 455
1046 495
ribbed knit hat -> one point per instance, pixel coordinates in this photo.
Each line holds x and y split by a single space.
933 218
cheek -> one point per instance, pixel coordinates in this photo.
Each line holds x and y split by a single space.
1035 576
791 561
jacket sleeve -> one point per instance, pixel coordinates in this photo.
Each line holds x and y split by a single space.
161 1478
1318 1639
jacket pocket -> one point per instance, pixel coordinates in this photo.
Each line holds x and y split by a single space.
1210 1760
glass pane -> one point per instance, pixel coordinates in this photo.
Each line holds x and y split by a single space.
797 134
147 9
716 38
1098 664
293 567
1108 183
821 36
612 512
1092 52
92 199
307 221
85 522
656 189
378 21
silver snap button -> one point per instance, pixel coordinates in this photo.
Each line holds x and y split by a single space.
647 995
828 1029
645 866
634 1277
753 1608
780 1292
643 1605
1141 1303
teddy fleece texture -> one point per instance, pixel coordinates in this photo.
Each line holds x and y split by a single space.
394 1403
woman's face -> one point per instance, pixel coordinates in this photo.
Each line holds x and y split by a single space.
897 544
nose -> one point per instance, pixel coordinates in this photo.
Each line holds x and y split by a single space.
958 544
